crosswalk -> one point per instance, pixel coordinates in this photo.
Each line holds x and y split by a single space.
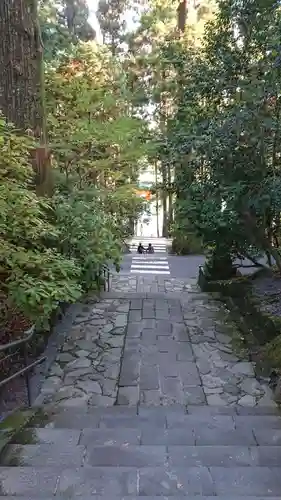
156 263
150 264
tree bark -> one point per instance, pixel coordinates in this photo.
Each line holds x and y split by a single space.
21 78
164 199
170 199
157 200
20 62
182 12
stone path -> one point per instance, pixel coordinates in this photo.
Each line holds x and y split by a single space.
87 369
153 349
147 399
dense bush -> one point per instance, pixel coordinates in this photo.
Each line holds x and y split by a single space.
35 278
187 243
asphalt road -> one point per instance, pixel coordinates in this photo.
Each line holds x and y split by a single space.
162 263
170 265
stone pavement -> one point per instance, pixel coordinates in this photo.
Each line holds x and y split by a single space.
147 399
171 344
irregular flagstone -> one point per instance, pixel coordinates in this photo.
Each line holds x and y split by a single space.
176 350
87 369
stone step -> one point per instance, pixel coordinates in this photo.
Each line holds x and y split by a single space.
134 432
138 497
136 455
164 425
114 482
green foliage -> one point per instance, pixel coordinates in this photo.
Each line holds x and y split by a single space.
86 233
64 23
35 278
224 136
187 242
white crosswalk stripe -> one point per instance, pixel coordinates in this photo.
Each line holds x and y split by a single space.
150 264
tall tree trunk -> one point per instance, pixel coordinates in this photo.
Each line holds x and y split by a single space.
164 199
170 199
21 78
157 200
182 13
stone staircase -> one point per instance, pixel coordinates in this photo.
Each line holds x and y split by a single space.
128 452
146 399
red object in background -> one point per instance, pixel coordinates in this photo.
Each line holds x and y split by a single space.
144 194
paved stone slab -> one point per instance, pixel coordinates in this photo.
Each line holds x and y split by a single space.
246 481
175 481
215 436
199 421
29 481
134 422
156 436
48 436
110 437
43 455
221 456
268 437
106 481
127 456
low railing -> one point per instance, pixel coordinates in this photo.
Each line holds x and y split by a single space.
16 347
105 274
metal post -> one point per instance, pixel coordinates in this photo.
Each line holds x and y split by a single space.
27 374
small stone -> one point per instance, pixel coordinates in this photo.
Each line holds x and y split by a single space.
123 308
99 400
267 401
97 322
112 372
212 381
215 390
118 331
223 339
82 353
86 345
224 348
216 400
252 387
51 385
128 395
107 328
121 320
79 363
89 386
194 396
109 387
116 341
65 357
203 366
56 370
231 389
247 400
231 358
219 363
243 368
75 402
80 372
67 347
68 393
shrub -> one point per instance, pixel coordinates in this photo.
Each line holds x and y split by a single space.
34 278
